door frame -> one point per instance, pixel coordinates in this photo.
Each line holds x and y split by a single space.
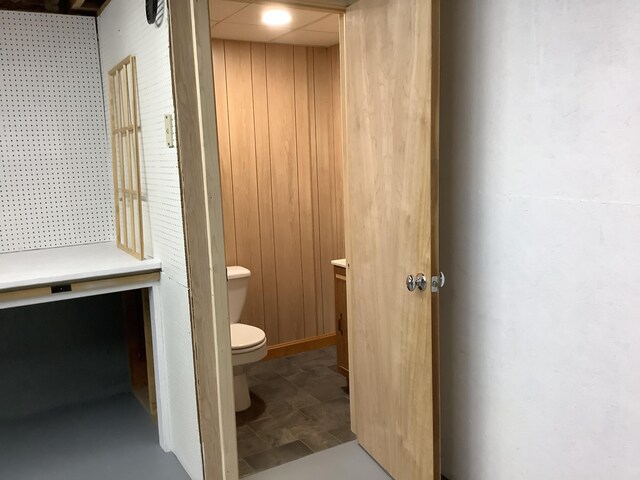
199 170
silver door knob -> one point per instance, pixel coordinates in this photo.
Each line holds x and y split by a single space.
420 281
411 283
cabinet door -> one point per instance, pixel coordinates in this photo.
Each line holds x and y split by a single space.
342 342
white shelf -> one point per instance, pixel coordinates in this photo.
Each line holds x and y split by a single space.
69 264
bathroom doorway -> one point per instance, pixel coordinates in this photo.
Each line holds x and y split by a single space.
278 116
391 224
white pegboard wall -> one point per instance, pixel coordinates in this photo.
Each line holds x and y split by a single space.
123 30
55 163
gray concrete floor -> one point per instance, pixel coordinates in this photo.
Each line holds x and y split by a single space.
344 462
107 439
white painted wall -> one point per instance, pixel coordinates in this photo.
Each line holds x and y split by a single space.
122 31
541 239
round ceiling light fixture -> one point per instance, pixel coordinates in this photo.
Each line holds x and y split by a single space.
276 17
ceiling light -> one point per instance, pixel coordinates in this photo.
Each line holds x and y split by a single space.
276 17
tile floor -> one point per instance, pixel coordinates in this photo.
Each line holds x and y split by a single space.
300 405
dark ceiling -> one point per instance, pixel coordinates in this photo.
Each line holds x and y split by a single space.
72 7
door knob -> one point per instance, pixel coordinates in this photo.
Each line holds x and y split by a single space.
420 281
411 283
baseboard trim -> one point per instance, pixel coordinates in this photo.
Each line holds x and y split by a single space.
299 346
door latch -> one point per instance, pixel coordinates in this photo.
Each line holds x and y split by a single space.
437 282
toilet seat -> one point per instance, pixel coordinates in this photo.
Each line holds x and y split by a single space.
246 338
248 345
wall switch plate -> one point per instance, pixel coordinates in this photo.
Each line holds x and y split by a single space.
168 130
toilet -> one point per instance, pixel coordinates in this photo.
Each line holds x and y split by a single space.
248 343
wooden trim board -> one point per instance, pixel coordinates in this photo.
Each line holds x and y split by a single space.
435 228
299 346
84 286
199 170
125 153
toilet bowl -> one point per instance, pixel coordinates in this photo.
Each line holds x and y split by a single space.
248 343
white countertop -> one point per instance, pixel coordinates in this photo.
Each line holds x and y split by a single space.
67 264
341 262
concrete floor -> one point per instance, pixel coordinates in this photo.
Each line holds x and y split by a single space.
344 462
102 440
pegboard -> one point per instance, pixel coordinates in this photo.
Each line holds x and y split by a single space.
55 163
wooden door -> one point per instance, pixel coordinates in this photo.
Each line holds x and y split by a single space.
391 65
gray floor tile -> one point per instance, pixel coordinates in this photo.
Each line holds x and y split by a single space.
279 455
251 380
315 439
275 391
276 431
244 468
302 398
330 415
281 390
278 365
316 356
249 443
344 434
325 391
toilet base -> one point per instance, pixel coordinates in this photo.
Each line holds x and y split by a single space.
241 389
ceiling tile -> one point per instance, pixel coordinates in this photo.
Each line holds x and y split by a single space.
327 24
306 37
253 15
248 33
221 9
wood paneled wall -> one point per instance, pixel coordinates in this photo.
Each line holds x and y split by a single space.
278 113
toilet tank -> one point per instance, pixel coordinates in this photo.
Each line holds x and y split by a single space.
237 285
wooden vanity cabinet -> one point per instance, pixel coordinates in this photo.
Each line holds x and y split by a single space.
342 324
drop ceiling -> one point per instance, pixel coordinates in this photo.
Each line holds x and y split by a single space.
233 20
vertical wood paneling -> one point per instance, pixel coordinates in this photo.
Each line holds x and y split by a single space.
220 82
301 83
314 194
286 98
325 172
265 202
245 182
284 179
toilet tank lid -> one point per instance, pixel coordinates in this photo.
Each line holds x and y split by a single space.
237 271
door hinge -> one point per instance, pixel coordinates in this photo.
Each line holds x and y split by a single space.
437 282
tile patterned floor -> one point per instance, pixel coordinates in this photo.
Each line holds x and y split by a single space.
300 405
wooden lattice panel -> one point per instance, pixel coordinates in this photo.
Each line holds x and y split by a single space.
125 145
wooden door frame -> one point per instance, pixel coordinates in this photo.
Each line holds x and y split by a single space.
199 171
197 147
